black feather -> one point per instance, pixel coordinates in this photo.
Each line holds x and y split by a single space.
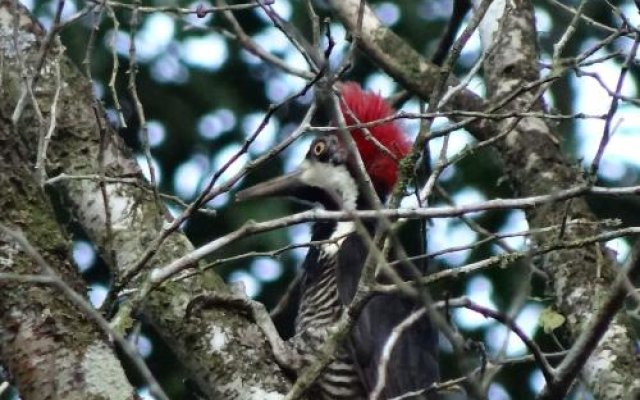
413 363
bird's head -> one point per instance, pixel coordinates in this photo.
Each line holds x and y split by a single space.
326 176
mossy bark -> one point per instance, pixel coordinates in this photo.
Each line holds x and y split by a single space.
580 279
49 347
224 352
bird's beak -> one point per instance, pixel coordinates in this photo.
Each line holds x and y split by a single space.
286 185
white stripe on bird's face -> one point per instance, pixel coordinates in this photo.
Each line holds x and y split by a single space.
334 179
343 229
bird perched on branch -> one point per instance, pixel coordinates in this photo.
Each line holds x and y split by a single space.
332 270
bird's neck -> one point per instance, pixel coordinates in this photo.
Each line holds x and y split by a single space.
335 232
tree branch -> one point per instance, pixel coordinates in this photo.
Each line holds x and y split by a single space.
220 371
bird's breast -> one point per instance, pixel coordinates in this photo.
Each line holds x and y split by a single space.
320 310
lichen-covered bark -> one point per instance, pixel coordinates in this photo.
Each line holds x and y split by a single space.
580 278
51 349
223 351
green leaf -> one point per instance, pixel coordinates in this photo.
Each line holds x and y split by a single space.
550 320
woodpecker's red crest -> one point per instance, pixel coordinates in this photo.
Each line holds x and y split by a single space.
325 176
368 107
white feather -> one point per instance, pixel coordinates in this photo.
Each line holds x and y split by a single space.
338 179
331 177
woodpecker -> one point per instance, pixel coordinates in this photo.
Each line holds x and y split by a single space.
331 270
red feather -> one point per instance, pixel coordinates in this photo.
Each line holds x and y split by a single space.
368 107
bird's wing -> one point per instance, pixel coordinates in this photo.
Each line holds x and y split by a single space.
412 365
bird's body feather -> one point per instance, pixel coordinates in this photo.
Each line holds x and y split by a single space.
320 309
412 364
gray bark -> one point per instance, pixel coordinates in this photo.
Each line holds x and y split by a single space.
223 351
580 278
50 348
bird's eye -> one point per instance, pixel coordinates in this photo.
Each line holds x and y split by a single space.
319 148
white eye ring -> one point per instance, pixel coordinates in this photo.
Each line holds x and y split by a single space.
319 148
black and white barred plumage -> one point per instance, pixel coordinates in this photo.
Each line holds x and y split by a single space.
320 309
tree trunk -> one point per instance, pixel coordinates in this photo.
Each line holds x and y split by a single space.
50 348
223 351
